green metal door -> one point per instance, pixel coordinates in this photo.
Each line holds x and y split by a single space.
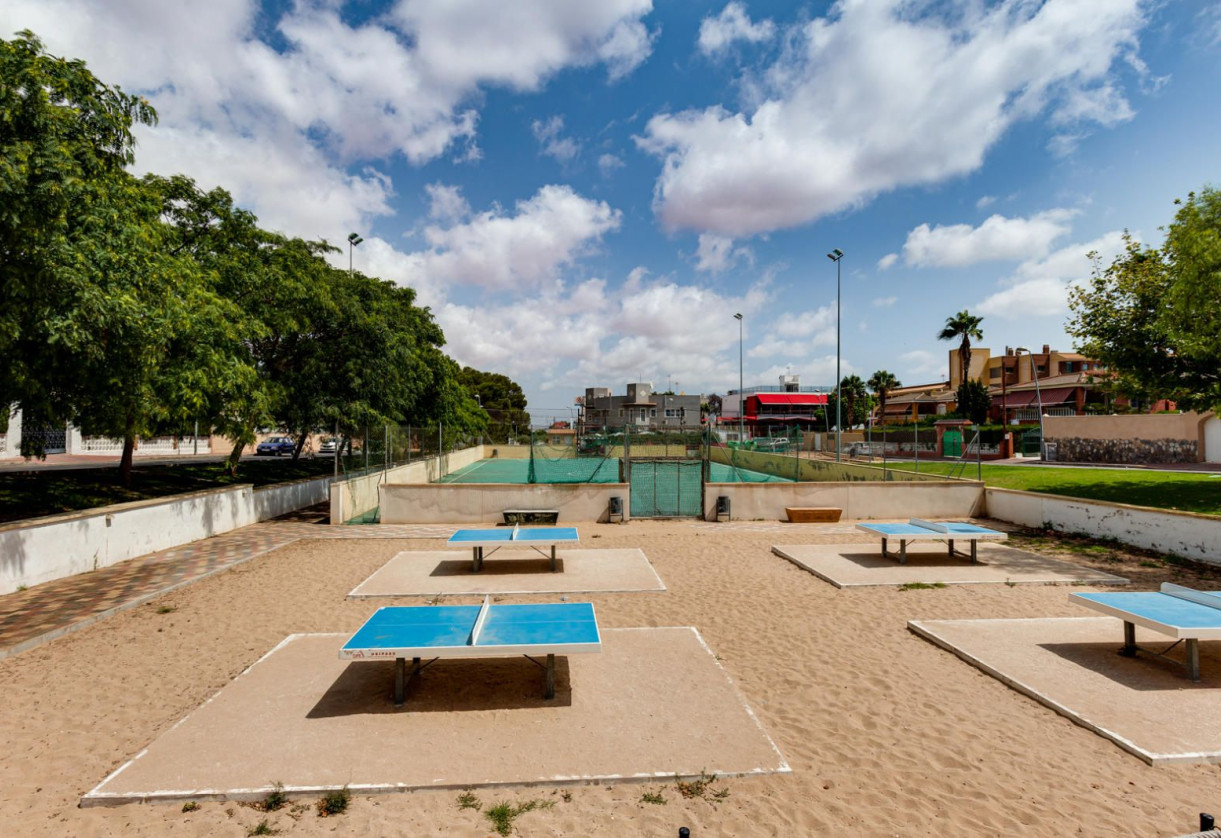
951 444
666 488
1032 442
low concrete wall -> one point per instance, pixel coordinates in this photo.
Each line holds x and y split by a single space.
858 500
33 552
1135 438
357 496
483 503
1180 533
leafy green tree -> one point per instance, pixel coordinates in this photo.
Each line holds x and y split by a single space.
63 134
962 327
856 404
973 400
881 383
501 399
1151 317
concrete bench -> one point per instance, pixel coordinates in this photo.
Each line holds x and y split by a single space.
813 514
531 516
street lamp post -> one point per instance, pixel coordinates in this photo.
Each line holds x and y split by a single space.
353 240
835 256
1035 373
741 400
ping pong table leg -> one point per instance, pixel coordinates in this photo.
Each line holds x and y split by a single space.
476 559
553 558
902 551
951 543
549 691
1193 658
1129 640
402 678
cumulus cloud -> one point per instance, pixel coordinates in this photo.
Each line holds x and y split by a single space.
921 366
731 25
997 239
282 126
550 136
715 254
887 261
608 163
1039 287
985 201
885 302
520 251
446 203
860 103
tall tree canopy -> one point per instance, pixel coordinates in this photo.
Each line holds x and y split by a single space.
501 399
881 383
1152 317
962 327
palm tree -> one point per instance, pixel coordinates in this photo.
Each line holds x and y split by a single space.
852 388
882 382
962 326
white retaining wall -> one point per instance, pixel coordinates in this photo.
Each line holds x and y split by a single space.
63 545
858 500
484 503
356 496
1181 533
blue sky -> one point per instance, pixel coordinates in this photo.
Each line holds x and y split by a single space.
585 193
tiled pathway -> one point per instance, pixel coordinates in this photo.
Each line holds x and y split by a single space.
42 613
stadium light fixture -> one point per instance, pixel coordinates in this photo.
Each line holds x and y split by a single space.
836 256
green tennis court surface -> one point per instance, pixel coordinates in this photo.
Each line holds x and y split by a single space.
581 470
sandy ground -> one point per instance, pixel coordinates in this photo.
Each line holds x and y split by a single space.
886 733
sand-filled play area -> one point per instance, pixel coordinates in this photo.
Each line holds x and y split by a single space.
825 713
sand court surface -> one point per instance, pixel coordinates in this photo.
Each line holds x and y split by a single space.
434 573
305 719
1146 706
863 565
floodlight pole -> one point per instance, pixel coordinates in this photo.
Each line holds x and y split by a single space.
1034 372
741 400
353 240
835 256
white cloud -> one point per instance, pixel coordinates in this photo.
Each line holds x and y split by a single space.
921 366
887 261
717 253
861 102
549 136
608 163
997 239
446 203
731 25
985 201
1039 287
885 302
796 334
281 127
520 252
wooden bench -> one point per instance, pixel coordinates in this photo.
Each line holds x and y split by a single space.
813 514
531 516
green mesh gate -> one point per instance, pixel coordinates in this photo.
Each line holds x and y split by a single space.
666 488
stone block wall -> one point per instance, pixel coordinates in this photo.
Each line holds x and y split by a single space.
1125 451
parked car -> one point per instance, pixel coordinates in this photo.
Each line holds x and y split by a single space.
276 446
328 446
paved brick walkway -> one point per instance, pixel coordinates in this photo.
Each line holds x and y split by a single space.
42 613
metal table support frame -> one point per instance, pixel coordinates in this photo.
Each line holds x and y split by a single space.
477 557
902 554
1191 662
403 676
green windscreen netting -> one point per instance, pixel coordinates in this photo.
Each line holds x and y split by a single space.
566 464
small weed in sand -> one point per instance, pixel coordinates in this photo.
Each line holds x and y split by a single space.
190 806
468 800
921 586
502 815
654 797
1148 563
567 795
275 799
167 609
695 788
262 828
21 588
720 795
334 803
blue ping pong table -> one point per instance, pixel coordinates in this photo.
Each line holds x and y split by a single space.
917 529
474 631
496 538
1185 614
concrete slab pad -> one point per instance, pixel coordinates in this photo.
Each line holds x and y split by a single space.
512 572
1147 707
654 703
857 565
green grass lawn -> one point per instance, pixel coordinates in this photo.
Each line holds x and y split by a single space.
33 494
1182 491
